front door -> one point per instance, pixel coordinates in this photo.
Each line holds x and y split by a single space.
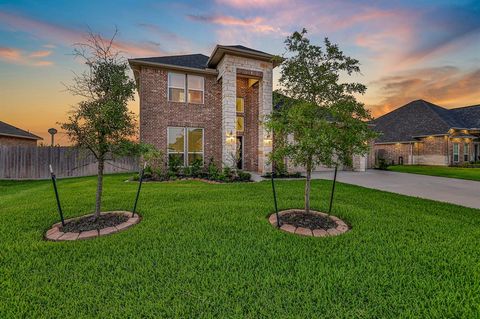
239 152
477 152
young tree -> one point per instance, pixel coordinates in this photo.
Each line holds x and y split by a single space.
101 122
323 122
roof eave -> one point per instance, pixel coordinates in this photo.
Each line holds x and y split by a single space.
220 51
33 137
134 62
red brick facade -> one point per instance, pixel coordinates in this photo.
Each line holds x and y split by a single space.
157 113
432 150
16 141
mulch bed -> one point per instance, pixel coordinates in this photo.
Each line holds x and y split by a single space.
310 221
89 223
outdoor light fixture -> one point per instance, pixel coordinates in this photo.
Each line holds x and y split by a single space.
268 140
230 137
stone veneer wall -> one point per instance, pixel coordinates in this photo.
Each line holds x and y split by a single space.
156 113
227 72
251 123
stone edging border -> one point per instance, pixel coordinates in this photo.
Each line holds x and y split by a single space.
341 227
54 233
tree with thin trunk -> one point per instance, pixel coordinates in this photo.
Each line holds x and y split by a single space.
101 122
321 121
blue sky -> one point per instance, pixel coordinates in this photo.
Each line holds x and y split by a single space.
408 49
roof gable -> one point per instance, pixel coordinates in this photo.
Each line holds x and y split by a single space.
10 130
196 61
421 118
413 119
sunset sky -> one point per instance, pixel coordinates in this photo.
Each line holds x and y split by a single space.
408 49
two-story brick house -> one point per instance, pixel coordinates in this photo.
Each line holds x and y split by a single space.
208 107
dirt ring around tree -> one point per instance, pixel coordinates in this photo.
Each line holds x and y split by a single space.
83 227
315 224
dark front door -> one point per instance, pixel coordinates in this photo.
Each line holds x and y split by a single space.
240 152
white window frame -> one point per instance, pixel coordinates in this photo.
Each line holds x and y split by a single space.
466 152
203 88
457 153
185 88
176 87
168 139
185 144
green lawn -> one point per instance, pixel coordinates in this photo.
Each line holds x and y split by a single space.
444 171
208 251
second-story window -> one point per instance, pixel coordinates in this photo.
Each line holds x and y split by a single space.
195 89
179 83
176 87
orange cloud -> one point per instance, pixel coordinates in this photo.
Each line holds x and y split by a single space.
40 54
68 36
10 54
255 24
13 55
446 86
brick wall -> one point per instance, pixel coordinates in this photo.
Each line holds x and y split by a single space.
250 134
156 113
427 151
15 141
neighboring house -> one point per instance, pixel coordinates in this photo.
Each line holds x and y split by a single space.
208 107
14 136
427 134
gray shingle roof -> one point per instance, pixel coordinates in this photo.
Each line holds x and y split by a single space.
196 61
10 130
421 118
241 47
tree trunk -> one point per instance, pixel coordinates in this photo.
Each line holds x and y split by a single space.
98 200
307 189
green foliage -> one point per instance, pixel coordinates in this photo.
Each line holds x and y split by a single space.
174 165
102 122
470 173
208 251
382 164
320 122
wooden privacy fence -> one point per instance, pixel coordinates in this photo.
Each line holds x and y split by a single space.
24 162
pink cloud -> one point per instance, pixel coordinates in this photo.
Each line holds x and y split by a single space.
250 3
253 24
17 56
10 54
40 54
68 36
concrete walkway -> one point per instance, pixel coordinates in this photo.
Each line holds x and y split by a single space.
451 190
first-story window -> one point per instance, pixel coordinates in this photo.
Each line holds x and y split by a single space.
185 144
466 152
455 152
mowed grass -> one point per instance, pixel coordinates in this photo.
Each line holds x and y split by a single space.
208 251
444 171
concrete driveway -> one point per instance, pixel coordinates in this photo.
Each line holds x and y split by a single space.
451 190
